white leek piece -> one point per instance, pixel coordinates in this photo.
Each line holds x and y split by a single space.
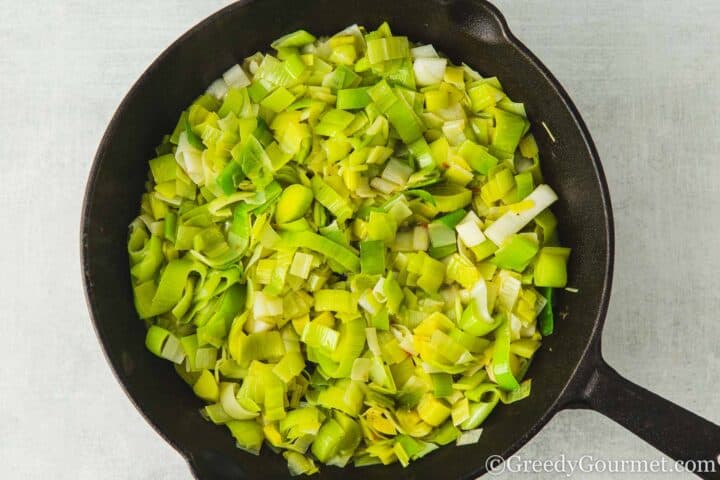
429 71
542 197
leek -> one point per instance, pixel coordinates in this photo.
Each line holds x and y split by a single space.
512 222
353 98
372 257
551 268
547 320
502 370
294 201
346 249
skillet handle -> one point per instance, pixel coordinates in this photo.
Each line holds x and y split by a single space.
679 433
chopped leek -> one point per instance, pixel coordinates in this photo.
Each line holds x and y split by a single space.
294 201
346 250
551 270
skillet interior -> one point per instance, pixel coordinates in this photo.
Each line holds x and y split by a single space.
466 30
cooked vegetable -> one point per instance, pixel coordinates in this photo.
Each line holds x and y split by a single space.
293 203
339 250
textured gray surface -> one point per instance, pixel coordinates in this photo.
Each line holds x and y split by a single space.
642 73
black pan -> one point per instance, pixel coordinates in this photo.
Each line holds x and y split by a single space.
569 372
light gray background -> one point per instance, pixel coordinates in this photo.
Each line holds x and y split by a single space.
644 74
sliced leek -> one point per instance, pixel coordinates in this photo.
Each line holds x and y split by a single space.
339 250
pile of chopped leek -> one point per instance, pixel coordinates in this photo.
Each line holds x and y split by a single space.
346 250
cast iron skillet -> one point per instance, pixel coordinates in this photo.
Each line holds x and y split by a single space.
569 372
